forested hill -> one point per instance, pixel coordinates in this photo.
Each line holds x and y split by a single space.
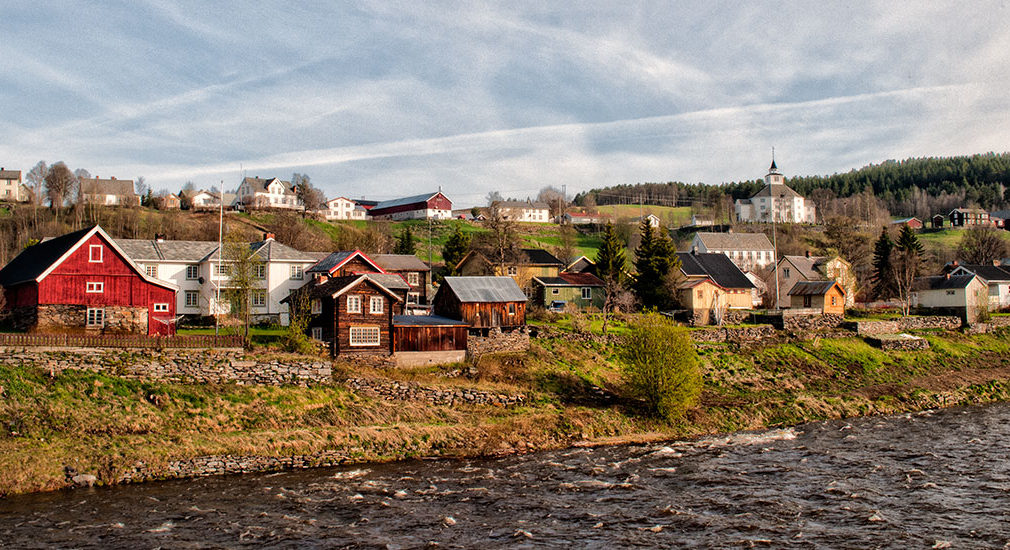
903 185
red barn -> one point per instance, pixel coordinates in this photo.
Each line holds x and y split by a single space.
83 282
419 207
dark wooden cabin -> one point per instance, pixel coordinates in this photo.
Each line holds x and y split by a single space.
341 264
428 333
353 314
482 302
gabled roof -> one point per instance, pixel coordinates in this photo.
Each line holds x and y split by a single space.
112 186
571 279
734 241
808 266
484 289
331 288
539 256
392 281
580 264
716 266
991 273
943 282
405 200
776 190
426 321
905 220
10 174
37 261
273 251
145 250
335 260
400 262
261 184
814 288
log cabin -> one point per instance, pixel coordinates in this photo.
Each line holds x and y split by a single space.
482 302
353 314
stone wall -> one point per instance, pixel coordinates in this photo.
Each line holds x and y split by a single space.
219 465
894 326
754 333
808 323
497 341
200 366
900 342
73 317
404 391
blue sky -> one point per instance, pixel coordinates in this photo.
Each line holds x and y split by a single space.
388 99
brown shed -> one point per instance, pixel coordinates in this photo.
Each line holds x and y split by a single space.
483 302
827 296
428 333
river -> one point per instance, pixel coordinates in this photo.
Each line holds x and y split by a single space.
926 480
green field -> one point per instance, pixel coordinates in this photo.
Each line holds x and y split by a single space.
671 216
948 239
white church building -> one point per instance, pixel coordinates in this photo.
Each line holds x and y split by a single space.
776 202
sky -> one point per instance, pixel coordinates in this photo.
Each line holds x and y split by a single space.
387 99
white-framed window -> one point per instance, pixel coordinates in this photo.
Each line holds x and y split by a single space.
192 272
364 336
151 270
92 287
587 293
259 298
223 269
513 271
354 304
95 253
317 306
161 308
376 304
297 273
192 298
259 271
96 317
413 279
317 333
413 297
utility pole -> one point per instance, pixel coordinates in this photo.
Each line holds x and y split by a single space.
220 252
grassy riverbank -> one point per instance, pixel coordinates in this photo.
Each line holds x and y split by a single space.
104 425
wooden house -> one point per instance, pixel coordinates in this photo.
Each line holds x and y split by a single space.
84 282
828 297
914 223
482 302
529 263
793 269
937 222
712 285
580 265
340 264
416 273
353 314
581 290
429 334
951 294
966 217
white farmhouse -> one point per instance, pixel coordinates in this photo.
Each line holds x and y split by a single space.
342 208
195 267
267 193
524 211
775 202
749 251
11 188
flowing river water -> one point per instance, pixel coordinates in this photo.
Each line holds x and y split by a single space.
926 480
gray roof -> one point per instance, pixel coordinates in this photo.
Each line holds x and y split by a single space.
97 186
400 262
405 200
485 289
734 241
328 262
10 174
807 265
140 250
522 204
716 266
392 281
812 288
273 251
943 282
777 190
425 320
261 184
991 273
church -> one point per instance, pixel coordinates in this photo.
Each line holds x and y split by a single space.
775 202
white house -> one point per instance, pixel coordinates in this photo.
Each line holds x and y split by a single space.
108 192
954 294
342 208
749 251
524 211
267 193
11 188
996 277
776 202
195 267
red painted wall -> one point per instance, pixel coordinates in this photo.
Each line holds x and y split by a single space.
438 202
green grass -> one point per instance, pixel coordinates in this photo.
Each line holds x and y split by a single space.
260 335
671 216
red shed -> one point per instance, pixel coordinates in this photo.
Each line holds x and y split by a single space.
419 207
82 281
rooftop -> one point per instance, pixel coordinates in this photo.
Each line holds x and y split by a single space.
485 289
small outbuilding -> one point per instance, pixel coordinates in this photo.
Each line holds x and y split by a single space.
482 302
582 290
826 296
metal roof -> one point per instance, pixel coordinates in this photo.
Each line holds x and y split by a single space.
146 250
715 265
400 262
392 281
273 251
812 288
734 241
405 200
328 263
426 320
485 289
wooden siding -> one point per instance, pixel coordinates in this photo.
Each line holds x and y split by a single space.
343 321
421 288
355 265
429 338
437 202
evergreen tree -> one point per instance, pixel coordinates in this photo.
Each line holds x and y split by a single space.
905 263
908 241
655 260
610 259
883 275
455 248
405 242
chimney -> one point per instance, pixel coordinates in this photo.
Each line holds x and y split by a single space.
113 178
268 237
808 253
954 263
947 276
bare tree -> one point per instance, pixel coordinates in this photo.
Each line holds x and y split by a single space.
981 245
60 183
905 266
312 198
554 198
36 179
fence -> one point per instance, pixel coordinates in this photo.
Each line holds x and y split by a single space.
119 341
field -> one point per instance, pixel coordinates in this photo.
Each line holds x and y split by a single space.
671 216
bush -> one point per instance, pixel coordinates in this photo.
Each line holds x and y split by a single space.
661 366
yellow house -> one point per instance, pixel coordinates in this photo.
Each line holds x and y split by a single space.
530 263
714 284
826 296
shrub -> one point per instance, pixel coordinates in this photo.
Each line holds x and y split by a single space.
661 366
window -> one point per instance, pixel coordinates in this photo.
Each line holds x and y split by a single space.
161 308
259 271
95 253
317 333
834 300
376 304
223 269
192 298
808 301
701 294
317 306
259 298
297 273
587 293
354 304
513 271
555 291
413 298
192 272
951 293
94 288
785 272
151 271
96 317
512 309
364 336
412 279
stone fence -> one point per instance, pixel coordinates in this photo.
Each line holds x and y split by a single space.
200 366
894 326
214 465
409 391
497 341
754 333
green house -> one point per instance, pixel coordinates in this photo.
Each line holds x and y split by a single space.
583 290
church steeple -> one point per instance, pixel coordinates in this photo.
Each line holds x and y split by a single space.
773 176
